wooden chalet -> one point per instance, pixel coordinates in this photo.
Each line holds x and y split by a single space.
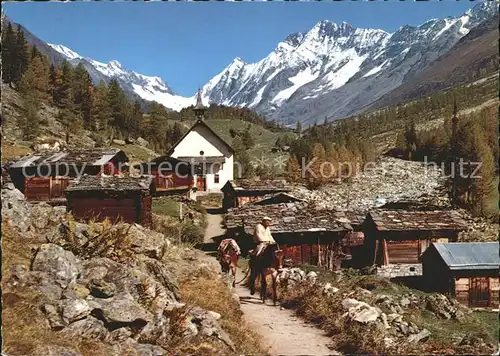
44 176
467 271
400 236
171 175
307 234
240 192
114 197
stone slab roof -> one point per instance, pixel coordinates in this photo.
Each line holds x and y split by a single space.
288 218
111 183
402 220
91 157
267 185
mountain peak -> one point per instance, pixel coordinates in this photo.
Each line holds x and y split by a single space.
70 54
115 63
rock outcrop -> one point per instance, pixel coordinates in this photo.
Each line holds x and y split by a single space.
125 303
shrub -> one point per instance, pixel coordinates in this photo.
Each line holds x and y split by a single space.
104 239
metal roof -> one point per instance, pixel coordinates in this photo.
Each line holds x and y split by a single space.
469 255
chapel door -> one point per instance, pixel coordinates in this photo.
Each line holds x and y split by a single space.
479 294
201 183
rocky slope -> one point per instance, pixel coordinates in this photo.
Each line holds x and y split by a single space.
472 57
389 180
94 288
371 315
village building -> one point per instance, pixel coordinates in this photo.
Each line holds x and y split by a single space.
467 271
240 192
395 239
44 176
356 238
204 149
171 175
306 233
124 198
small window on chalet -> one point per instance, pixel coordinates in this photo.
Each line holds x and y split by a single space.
202 153
216 178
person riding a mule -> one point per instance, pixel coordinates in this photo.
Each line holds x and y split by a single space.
265 259
262 236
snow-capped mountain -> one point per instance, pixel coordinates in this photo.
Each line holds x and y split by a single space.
146 87
331 71
335 70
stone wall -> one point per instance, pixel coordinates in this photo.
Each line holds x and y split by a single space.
400 270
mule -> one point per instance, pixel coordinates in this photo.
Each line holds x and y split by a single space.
228 254
269 262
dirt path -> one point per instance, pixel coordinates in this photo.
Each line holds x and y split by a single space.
282 332
214 227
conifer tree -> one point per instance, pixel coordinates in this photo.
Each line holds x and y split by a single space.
8 53
63 87
82 94
118 105
101 114
21 56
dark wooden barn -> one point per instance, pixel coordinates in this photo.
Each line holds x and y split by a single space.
44 176
306 233
399 237
356 239
468 271
172 176
240 192
114 197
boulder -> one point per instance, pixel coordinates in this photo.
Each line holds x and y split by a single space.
421 336
312 276
54 317
119 142
58 263
350 303
16 211
207 325
119 336
149 243
160 272
44 214
148 349
76 291
102 289
142 142
89 328
73 309
122 311
366 315
46 350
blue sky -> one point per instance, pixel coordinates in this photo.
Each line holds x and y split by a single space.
188 43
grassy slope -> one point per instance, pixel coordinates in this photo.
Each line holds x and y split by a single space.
484 323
